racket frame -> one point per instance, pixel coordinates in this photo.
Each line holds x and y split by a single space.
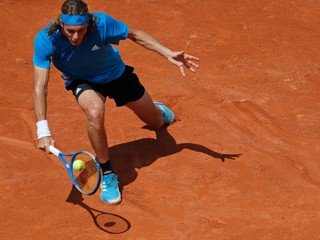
69 165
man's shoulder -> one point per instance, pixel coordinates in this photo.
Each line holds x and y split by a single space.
102 18
100 15
43 34
44 40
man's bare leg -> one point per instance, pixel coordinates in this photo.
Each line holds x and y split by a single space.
93 106
147 111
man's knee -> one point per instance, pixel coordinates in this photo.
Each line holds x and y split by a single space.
95 116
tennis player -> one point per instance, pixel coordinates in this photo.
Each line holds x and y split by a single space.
80 43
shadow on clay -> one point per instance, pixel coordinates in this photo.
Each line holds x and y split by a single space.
126 157
107 222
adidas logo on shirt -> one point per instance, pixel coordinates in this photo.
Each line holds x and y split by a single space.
95 48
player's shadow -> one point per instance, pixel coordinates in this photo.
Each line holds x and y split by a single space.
127 157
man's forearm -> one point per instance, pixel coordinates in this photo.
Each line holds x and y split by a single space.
41 77
40 104
149 42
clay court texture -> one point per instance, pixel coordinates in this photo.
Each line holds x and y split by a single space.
242 160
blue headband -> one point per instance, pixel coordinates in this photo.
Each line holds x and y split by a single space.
74 19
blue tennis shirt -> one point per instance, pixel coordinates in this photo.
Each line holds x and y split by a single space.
94 60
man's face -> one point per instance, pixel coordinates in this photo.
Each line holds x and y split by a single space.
75 34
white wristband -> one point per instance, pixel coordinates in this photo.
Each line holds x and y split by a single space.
43 129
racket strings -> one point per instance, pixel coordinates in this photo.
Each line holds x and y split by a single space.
87 178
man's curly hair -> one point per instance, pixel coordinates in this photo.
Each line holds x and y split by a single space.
72 7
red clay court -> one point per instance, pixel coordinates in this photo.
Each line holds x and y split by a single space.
256 94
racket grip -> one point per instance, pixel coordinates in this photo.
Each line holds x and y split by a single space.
54 150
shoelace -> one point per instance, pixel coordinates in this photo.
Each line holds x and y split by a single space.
109 182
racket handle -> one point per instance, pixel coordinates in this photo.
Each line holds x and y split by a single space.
54 150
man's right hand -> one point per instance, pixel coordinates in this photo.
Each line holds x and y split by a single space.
45 142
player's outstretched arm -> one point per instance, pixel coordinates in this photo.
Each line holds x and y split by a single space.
41 78
179 58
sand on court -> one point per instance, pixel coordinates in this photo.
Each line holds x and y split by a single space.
240 162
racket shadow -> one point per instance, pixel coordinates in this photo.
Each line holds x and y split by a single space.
107 222
129 156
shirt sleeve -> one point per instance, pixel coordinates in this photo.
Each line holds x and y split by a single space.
112 30
42 50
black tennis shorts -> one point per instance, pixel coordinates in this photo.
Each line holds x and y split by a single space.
126 88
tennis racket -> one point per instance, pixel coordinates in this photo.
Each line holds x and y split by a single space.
86 180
